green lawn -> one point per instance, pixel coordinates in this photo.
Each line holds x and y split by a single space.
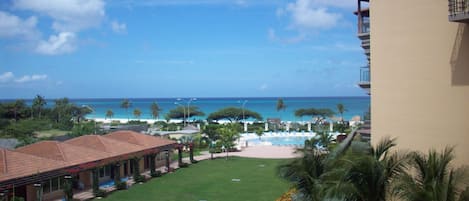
211 180
51 133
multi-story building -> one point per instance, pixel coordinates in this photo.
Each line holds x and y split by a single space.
419 51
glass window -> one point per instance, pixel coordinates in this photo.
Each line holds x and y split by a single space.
107 170
101 172
61 182
55 184
46 186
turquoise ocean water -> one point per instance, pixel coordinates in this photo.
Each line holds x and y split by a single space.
265 106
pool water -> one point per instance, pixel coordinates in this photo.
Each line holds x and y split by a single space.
279 140
110 183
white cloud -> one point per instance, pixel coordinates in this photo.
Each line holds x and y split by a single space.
271 34
6 77
57 44
14 26
309 15
68 15
263 87
119 27
30 78
10 77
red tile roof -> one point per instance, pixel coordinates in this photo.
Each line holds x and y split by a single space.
52 155
139 139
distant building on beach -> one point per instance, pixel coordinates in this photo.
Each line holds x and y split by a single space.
419 51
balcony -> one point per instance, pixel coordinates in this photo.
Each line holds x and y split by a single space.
365 78
458 11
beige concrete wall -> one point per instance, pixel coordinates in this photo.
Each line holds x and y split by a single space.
420 76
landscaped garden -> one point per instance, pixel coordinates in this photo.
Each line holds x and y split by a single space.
219 179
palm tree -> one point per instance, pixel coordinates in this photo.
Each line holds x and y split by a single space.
341 109
126 104
306 173
367 172
137 113
280 105
109 114
432 179
38 103
155 110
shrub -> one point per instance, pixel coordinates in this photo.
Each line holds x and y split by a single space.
140 178
99 193
184 165
18 199
121 185
157 174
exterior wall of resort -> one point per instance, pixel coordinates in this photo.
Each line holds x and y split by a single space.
420 76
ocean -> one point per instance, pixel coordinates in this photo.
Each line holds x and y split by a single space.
355 106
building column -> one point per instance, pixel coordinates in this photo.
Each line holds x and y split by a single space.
152 164
179 147
38 187
167 161
68 190
117 172
95 181
191 152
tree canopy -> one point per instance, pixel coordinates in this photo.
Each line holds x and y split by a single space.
180 112
233 114
320 113
280 105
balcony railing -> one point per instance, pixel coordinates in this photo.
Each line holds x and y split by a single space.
365 74
458 10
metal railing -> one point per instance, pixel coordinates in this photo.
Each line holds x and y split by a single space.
365 25
458 10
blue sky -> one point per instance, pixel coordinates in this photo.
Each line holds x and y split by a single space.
178 48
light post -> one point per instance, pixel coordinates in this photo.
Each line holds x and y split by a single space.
188 108
184 112
38 187
242 108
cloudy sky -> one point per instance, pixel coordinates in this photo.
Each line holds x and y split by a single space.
178 48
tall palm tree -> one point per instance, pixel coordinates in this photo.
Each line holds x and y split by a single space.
109 114
126 104
341 109
38 103
155 110
137 113
433 179
280 105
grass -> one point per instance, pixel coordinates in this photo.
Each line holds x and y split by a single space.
211 180
51 133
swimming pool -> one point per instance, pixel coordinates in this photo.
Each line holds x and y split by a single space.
276 139
110 183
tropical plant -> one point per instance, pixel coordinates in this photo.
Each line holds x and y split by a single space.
155 110
38 104
228 134
431 178
367 172
306 173
260 132
280 105
126 104
137 113
109 114
341 109
233 114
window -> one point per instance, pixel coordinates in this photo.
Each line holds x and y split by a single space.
107 170
101 172
55 184
46 186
